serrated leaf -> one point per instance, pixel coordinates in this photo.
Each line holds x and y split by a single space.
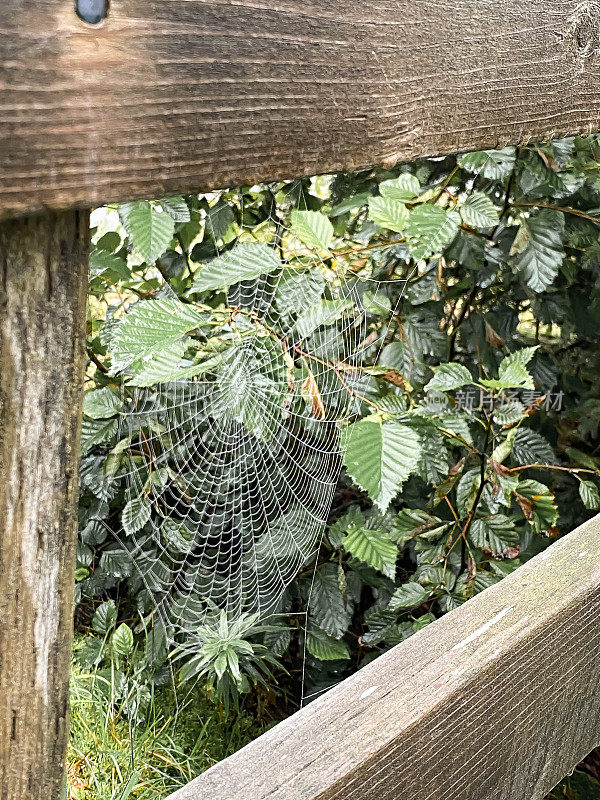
298 290
530 447
101 403
430 229
467 488
331 610
509 413
149 229
588 491
512 372
324 647
176 207
105 617
325 312
102 262
349 204
313 228
404 187
495 533
541 259
479 211
135 515
409 595
159 366
244 262
373 548
122 640
219 218
389 213
494 164
380 457
376 303
95 432
150 326
537 504
510 366
449 376
278 640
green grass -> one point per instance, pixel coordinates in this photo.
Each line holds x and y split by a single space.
173 741
112 759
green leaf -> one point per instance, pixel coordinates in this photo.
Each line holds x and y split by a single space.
313 228
541 259
349 204
512 368
449 376
105 618
325 312
177 208
404 187
588 491
380 457
135 515
530 447
373 548
324 647
537 503
409 595
377 303
298 290
493 164
250 386
509 413
122 640
430 229
278 640
219 219
496 533
245 262
102 263
149 229
467 488
159 366
479 211
389 213
101 403
149 327
331 610
96 432
512 372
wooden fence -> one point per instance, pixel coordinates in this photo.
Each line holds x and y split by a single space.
497 700
168 96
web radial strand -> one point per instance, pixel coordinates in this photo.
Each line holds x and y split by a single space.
234 470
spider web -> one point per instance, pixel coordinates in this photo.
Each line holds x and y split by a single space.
238 467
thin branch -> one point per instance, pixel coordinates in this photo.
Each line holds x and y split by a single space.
94 358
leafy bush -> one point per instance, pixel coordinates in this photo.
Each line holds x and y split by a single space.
469 439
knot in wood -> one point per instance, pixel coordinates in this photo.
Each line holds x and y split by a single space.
585 28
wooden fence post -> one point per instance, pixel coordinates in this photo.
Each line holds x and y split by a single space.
43 285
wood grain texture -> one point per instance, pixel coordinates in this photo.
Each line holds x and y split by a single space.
169 96
497 700
43 287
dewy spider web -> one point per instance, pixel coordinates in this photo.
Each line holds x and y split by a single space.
238 466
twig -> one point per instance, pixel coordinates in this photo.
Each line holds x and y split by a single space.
93 357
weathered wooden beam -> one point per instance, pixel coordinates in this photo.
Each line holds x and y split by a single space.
497 700
181 95
43 286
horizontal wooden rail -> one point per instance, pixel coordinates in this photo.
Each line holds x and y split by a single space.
498 700
169 96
